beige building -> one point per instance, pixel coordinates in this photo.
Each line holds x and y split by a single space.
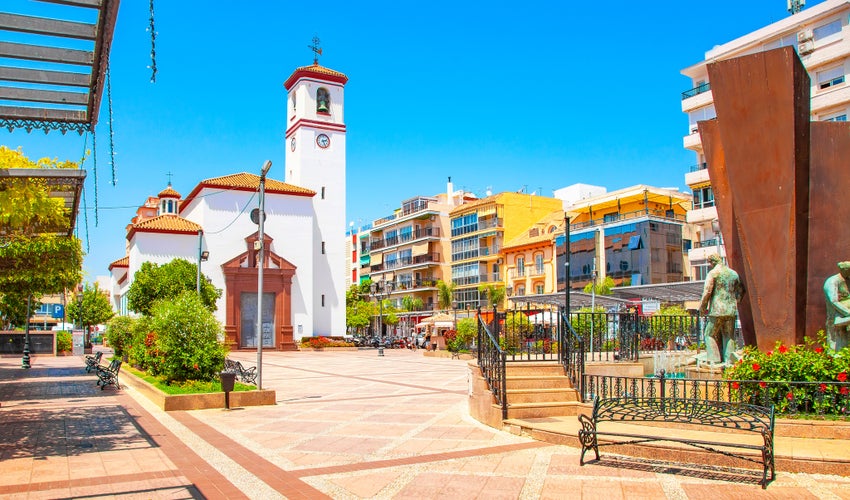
821 38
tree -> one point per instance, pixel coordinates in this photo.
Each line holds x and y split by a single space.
358 312
495 294
13 310
94 309
153 282
445 294
604 288
34 260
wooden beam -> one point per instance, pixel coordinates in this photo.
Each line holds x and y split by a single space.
46 54
41 114
51 27
45 76
48 96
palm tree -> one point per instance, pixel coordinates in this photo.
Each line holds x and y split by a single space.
445 294
495 294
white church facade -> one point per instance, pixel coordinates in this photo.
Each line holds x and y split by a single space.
304 258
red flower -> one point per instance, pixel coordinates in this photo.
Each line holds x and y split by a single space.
790 395
844 390
842 377
762 384
195 366
782 349
736 385
770 353
756 367
822 388
818 349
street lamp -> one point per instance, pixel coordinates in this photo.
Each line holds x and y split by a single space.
380 290
261 216
25 361
203 255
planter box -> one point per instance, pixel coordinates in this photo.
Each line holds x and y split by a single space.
196 401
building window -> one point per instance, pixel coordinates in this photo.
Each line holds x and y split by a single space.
323 101
465 248
835 117
464 224
538 263
703 198
323 248
782 42
612 217
827 29
698 115
520 290
538 289
520 266
323 300
830 77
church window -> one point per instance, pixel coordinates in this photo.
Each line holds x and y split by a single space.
323 101
323 300
292 100
323 248
323 192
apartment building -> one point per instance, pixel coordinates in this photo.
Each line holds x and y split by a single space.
530 262
636 235
821 37
479 230
407 250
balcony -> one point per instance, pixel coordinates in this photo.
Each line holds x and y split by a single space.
698 176
700 215
419 233
699 89
638 214
692 141
699 254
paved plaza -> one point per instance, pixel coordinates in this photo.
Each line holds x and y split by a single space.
347 425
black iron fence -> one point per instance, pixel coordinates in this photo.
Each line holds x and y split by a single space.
572 352
492 360
787 397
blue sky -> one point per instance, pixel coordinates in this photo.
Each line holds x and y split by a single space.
518 94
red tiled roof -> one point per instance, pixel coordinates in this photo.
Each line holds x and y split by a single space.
315 71
169 192
165 224
122 262
244 181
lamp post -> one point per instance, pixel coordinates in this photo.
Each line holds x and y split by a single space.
80 290
567 263
203 255
260 264
380 290
25 361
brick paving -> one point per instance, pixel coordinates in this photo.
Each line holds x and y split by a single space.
346 425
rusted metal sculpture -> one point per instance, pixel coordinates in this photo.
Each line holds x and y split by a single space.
774 172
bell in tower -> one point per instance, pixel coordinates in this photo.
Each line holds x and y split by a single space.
323 100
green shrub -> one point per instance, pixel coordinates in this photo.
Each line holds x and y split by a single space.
186 340
63 341
141 350
467 329
119 333
812 361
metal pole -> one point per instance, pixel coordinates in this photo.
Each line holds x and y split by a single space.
593 308
200 245
25 361
567 263
260 264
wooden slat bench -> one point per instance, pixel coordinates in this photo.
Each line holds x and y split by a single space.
737 416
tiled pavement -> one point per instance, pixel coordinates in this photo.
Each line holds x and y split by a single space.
346 425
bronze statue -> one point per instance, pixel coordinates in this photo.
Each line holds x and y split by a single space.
838 307
720 297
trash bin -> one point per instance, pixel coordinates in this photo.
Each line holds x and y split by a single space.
228 380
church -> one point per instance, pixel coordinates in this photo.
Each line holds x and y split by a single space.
304 251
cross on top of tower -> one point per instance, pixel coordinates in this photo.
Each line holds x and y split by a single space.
316 48
169 174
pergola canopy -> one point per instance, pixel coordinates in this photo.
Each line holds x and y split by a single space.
52 68
64 183
683 291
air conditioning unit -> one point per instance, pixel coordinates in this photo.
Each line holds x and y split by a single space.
806 48
804 36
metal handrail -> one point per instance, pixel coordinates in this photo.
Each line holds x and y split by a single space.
492 361
699 89
572 352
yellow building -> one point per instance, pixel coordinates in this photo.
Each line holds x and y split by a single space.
479 230
530 261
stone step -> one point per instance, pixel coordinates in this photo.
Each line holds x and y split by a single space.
533 368
541 395
541 410
537 382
